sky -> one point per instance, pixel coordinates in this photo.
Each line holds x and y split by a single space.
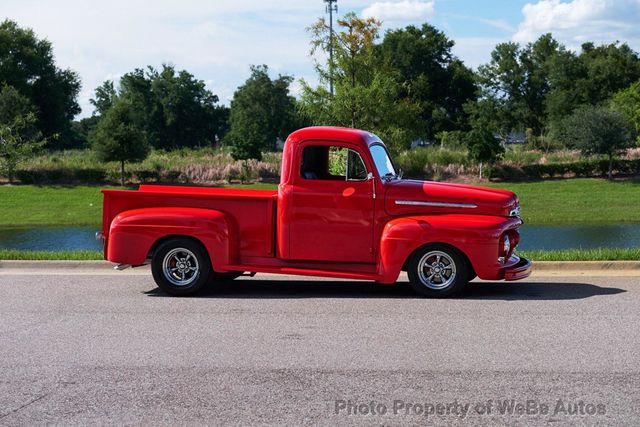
217 40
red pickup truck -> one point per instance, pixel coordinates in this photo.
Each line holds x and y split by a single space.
341 210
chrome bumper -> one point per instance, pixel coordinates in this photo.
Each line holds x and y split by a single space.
521 270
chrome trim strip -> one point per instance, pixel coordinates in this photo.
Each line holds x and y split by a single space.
436 204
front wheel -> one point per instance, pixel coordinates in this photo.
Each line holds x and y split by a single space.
437 271
180 266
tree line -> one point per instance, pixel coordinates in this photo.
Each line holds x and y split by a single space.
404 85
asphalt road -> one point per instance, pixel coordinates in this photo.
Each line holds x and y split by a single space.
112 349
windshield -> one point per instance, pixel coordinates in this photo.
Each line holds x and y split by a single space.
383 161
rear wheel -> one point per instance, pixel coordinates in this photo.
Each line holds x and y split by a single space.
437 271
180 266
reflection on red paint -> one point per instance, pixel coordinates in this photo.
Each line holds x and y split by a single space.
348 191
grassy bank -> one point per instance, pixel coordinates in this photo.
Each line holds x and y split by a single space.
571 201
33 205
25 205
601 254
9 254
577 201
566 255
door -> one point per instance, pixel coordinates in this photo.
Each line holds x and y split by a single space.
333 206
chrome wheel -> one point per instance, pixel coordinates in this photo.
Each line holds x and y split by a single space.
436 270
180 267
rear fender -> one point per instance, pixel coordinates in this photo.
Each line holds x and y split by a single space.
475 236
133 233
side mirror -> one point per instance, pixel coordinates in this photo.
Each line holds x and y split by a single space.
400 173
369 176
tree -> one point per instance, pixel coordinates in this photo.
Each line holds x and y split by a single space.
609 69
19 137
590 78
171 108
492 113
597 130
19 140
627 103
262 110
118 138
483 146
80 130
13 104
367 95
104 97
27 64
519 77
430 75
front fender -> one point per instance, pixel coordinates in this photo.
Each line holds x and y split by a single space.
133 233
476 236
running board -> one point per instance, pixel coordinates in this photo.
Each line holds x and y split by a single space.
305 272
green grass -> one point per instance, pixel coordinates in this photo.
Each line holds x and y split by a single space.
577 201
25 205
10 254
601 254
565 255
571 201
30 205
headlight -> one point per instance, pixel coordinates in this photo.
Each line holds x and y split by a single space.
504 248
506 245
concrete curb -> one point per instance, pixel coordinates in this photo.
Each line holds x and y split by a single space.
586 265
55 265
538 266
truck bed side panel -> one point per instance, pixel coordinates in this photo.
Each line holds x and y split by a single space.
251 210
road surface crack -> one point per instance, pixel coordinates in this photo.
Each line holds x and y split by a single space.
13 411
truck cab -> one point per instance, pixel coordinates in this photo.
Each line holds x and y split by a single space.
341 210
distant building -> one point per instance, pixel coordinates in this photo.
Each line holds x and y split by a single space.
512 138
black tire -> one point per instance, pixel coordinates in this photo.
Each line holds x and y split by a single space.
445 271
181 266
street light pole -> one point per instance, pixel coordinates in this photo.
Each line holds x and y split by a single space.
332 6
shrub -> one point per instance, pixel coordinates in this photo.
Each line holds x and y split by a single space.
90 175
147 175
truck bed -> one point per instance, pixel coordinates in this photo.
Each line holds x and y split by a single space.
252 211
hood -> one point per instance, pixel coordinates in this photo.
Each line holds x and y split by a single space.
406 197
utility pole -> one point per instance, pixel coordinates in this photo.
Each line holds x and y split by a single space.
331 7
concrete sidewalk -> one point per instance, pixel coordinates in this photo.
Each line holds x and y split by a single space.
540 268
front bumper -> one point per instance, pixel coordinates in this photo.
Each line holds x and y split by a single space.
520 270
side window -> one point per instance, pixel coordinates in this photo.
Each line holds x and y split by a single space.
332 163
356 171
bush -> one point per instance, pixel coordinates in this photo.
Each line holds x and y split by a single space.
90 175
148 176
584 168
172 176
424 161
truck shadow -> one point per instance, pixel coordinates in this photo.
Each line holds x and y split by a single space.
292 289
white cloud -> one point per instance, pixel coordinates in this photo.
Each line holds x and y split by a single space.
577 21
214 40
500 24
400 11
475 51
